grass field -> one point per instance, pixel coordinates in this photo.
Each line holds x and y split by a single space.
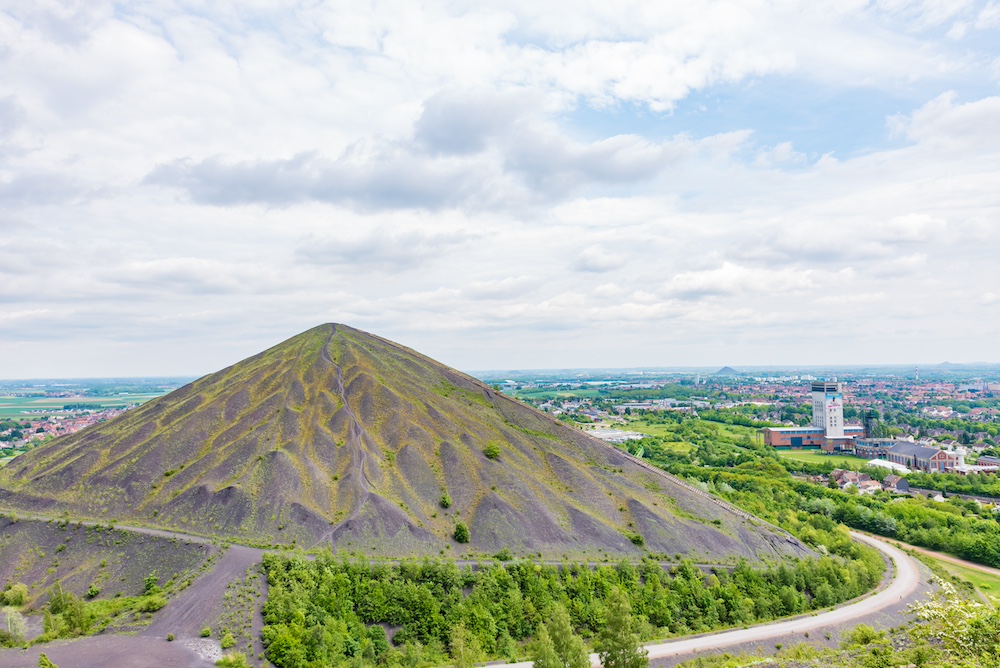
736 431
814 457
985 583
556 394
644 427
15 407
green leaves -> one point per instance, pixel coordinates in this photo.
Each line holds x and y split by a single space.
542 651
461 534
618 643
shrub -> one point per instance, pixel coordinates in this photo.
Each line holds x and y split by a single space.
445 500
492 451
461 534
227 641
151 584
151 603
93 591
861 635
170 637
234 660
16 595
206 632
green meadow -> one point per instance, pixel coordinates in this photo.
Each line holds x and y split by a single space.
34 407
815 457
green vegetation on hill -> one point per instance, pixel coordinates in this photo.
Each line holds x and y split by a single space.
757 480
85 579
337 437
332 611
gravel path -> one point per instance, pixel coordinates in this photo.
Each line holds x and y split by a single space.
905 585
109 652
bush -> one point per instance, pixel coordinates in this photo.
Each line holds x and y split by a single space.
44 662
151 584
461 534
170 637
93 591
234 660
492 451
16 595
206 632
151 603
227 641
862 635
445 500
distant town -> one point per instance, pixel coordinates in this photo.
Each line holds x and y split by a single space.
943 419
34 412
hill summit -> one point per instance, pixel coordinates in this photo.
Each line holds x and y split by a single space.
342 438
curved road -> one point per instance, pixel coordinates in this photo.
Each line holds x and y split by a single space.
904 583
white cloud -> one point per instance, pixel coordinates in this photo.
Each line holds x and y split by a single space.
499 185
733 279
596 259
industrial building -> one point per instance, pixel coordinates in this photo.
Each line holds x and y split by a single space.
827 432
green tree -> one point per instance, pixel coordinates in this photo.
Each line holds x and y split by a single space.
569 647
461 533
465 648
542 651
618 642
15 625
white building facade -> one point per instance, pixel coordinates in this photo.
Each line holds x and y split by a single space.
828 408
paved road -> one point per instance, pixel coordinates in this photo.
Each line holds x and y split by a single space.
905 582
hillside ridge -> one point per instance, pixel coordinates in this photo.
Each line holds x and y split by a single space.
339 437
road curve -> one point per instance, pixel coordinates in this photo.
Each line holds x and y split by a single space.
905 581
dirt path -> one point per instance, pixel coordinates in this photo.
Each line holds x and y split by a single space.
148 531
202 603
109 652
946 557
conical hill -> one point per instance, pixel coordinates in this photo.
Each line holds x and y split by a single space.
343 438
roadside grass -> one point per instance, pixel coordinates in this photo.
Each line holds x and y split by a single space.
984 583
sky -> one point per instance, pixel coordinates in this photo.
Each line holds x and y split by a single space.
499 185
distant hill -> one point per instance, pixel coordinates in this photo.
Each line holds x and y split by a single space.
343 438
726 371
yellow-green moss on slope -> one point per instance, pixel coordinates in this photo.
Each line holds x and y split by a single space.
338 436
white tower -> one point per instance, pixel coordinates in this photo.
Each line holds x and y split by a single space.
828 408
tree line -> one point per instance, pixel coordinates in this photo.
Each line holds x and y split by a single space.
333 611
